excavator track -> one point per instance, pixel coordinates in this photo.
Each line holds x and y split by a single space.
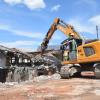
97 71
64 72
69 71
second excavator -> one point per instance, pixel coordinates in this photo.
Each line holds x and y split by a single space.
77 55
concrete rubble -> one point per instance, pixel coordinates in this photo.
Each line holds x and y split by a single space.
42 64
43 77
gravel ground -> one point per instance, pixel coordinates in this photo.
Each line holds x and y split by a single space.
52 88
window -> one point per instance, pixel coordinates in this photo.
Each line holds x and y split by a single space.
89 51
13 59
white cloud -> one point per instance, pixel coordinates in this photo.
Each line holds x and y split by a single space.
56 7
95 20
31 4
18 43
34 4
24 46
29 34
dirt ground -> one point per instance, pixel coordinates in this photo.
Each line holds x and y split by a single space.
62 89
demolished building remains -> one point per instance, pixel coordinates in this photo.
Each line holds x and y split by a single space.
15 65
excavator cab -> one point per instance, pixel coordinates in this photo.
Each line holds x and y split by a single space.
69 49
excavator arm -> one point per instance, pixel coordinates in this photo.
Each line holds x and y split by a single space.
58 25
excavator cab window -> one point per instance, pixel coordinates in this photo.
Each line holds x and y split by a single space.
65 50
73 44
89 51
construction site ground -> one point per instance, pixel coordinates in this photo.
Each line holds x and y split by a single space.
85 88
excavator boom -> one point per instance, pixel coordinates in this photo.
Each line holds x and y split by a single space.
58 24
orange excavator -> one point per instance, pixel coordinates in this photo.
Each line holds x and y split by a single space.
78 55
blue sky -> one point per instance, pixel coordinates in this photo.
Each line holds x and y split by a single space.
24 23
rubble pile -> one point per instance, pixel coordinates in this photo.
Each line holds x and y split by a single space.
46 63
46 59
55 76
18 66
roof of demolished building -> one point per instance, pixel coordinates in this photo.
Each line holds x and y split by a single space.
3 48
21 52
14 50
